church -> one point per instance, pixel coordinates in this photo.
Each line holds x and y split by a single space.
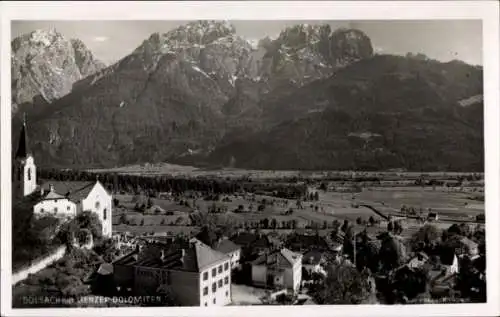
60 199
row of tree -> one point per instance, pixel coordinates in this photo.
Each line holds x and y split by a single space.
153 185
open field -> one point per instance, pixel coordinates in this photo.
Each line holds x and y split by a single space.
158 169
451 206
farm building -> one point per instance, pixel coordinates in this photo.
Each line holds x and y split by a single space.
432 216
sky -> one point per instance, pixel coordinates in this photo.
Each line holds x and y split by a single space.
443 40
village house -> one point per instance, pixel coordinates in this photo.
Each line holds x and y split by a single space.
251 243
449 263
304 242
196 274
432 216
468 247
60 199
281 269
418 260
313 261
230 249
54 204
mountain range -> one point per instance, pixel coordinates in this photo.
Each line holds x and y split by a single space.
311 98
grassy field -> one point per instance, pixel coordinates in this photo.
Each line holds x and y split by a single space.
191 171
451 207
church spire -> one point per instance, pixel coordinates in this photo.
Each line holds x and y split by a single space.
23 147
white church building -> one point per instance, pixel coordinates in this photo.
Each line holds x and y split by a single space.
60 199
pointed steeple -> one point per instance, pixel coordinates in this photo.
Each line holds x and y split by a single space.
23 147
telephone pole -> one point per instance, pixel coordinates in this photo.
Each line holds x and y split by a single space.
354 251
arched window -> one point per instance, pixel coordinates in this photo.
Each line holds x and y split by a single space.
29 174
105 214
97 205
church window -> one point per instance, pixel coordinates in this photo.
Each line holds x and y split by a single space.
29 174
105 213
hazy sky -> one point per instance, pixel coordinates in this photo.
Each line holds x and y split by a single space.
439 39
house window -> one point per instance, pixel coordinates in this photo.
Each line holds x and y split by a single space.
67 208
205 276
226 280
220 283
214 272
227 294
55 210
220 268
205 290
214 287
97 205
105 215
214 300
226 266
205 303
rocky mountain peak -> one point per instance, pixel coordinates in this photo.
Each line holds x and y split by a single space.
45 65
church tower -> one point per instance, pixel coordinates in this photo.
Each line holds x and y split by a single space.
24 172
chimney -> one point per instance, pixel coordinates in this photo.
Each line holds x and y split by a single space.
51 188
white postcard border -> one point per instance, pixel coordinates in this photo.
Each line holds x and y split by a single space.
487 11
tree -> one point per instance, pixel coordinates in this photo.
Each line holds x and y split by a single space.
392 252
371 221
398 227
470 282
348 246
344 284
390 226
405 284
123 219
426 239
265 223
345 226
273 223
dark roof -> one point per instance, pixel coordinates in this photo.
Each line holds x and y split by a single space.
74 191
226 246
312 257
192 257
245 239
23 146
307 241
283 257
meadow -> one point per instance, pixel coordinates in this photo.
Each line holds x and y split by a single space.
451 206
